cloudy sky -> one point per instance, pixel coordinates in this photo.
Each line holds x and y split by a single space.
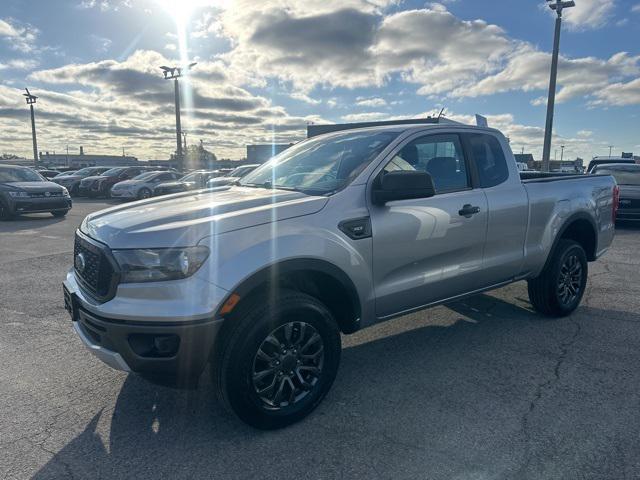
267 68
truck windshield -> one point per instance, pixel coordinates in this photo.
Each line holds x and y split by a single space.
13 175
321 165
623 176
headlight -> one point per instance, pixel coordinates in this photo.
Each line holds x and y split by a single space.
159 264
19 194
65 192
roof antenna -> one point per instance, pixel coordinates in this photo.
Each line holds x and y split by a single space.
441 114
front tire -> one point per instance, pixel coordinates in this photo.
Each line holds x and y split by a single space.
277 359
5 213
558 290
144 193
59 213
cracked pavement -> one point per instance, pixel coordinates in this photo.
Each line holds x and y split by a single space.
482 388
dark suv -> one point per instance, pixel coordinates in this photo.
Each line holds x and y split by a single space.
23 190
100 185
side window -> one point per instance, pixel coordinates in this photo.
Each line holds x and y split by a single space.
164 177
489 158
439 155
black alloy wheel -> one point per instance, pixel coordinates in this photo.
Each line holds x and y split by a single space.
276 358
569 280
288 364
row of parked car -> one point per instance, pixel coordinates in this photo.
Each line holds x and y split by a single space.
27 190
139 182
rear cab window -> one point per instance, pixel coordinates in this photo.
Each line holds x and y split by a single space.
489 159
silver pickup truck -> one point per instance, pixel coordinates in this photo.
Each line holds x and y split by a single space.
335 234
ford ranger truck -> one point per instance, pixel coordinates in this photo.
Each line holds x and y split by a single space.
335 234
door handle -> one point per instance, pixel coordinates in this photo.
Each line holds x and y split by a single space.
468 210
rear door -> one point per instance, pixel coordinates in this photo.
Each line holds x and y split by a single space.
427 250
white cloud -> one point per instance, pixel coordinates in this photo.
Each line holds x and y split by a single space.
344 47
304 98
371 102
589 14
19 36
105 5
619 94
127 103
19 64
101 44
365 117
636 8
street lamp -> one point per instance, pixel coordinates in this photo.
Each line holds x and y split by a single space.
558 6
173 73
31 100
561 152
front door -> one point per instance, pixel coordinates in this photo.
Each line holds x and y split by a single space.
427 250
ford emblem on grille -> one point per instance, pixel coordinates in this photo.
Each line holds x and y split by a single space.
80 262
47 194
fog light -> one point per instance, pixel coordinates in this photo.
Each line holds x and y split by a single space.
154 346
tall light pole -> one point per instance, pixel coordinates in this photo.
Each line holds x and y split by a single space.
558 6
173 73
561 152
31 100
610 150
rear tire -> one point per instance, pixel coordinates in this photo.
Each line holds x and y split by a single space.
558 290
276 359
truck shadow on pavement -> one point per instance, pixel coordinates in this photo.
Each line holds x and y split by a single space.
437 402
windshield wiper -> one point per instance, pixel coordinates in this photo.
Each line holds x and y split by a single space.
267 185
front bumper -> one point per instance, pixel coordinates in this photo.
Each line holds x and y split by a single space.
40 204
126 341
123 194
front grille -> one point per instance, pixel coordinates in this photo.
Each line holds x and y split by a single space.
630 203
98 274
41 206
45 195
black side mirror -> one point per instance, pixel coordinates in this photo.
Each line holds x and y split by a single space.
403 185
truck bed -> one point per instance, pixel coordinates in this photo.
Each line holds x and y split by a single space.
530 177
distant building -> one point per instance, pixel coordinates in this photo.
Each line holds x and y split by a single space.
567 166
524 161
82 160
262 153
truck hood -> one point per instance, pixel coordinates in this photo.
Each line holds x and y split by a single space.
184 219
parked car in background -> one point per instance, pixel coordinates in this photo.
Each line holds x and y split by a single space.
65 174
48 173
23 190
191 181
340 232
142 186
71 181
608 161
100 186
628 178
232 177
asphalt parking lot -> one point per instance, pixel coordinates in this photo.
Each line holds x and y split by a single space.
480 389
